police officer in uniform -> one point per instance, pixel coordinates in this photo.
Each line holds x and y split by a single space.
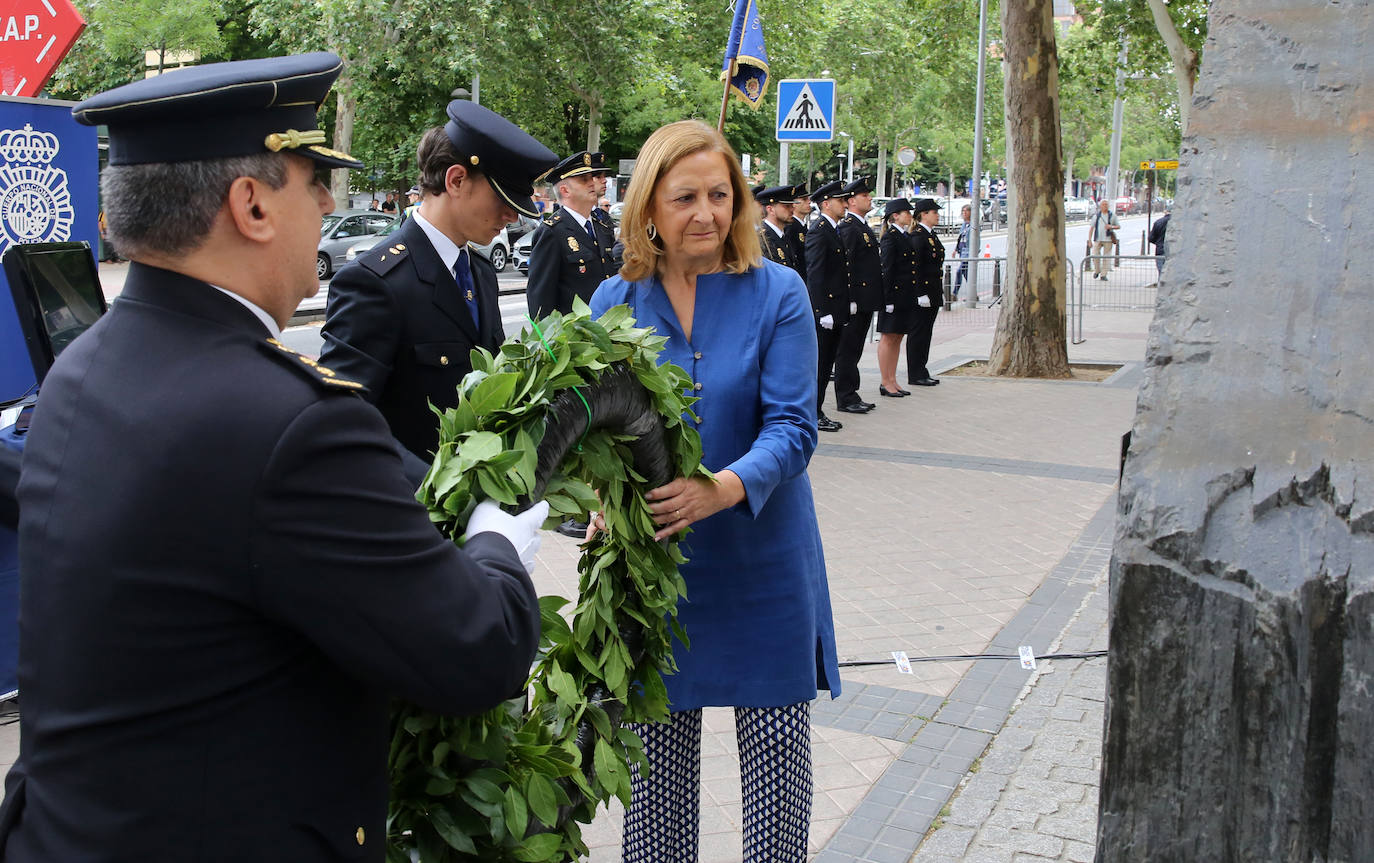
226 577
866 297
571 253
777 215
796 229
898 317
828 283
404 317
930 263
599 214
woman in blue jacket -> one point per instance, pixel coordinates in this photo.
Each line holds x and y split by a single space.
758 607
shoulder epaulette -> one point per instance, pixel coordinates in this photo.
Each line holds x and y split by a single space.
556 216
326 377
380 259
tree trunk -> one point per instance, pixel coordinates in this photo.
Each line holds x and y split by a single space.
346 109
593 126
1030 338
880 187
1183 57
1068 172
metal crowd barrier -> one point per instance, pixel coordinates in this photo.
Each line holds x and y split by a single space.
1113 283
1119 282
989 278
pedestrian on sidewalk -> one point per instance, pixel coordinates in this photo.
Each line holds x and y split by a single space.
762 644
1102 238
898 317
961 247
1159 238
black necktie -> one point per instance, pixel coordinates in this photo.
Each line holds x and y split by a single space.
462 276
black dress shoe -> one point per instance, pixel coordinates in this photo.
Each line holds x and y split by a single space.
867 405
825 423
856 408
924 382
573 528
896 394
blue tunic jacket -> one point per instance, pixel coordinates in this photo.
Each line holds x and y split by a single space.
757 610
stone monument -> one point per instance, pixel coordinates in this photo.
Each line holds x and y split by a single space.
1240 703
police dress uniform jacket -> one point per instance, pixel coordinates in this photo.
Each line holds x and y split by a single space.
898 257
758 608
930 264
930 261
795 232
776 248
565 262
827 272
865 269
397 323
226 578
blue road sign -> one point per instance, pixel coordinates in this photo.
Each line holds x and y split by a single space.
806 110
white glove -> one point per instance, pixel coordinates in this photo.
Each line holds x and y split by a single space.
522 530
923 301
827 322
888 309
853 308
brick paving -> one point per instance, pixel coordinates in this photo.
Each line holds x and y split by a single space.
974 516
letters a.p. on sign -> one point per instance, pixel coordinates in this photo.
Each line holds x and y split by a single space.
34 37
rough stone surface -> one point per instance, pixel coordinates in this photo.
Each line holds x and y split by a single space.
1240 720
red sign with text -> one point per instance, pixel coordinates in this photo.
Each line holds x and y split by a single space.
34 37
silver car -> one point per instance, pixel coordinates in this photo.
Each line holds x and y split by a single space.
497 251
343 229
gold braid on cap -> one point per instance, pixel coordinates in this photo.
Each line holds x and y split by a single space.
291 139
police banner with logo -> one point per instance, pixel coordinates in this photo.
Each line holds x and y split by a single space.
49 169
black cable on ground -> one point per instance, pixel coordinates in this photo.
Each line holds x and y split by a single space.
1090 654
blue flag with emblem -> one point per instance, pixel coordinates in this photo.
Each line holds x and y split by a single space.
746 59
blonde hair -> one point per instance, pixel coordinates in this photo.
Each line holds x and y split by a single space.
664 148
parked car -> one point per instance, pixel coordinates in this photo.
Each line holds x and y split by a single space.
340 231
521 252
520 227
1125 205
1078 208
497 251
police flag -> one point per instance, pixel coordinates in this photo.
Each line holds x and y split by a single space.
746 59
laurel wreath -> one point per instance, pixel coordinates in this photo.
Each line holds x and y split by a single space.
516 783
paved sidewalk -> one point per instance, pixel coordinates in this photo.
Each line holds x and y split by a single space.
973 516
1033 794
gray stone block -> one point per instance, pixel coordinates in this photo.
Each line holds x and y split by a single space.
1241 724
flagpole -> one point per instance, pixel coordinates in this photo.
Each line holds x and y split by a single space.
725 101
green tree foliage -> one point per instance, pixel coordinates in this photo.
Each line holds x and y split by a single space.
130 27
1163 37
1087 82
610 73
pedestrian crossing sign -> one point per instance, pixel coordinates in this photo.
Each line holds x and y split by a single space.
806 110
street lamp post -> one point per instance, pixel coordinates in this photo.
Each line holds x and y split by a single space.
970 297
851 157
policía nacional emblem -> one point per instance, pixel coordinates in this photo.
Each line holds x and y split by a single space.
35 203
572 244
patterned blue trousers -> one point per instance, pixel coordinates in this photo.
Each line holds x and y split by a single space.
662 824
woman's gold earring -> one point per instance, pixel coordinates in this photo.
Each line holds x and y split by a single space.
653 232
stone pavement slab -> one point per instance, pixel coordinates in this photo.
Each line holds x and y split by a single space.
1033 794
